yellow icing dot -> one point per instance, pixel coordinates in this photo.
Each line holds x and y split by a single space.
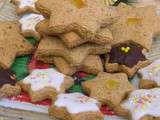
134 21
126 50
111 84
79 3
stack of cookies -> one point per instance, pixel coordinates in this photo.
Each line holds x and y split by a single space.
84 35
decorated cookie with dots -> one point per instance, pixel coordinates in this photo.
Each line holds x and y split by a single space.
28 23
25 6
150 75
127 58
44 84
142 105
75 106
109 89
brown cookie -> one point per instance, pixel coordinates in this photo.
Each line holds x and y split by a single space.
52 46
127 58
75 106
12 43
25 6
72 39
85 19
107 88
44 84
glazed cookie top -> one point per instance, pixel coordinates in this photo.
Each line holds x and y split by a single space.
143 102
24 3
41 78
151 72
76 103
126 54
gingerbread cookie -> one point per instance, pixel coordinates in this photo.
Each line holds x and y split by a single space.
52 46
25 6
76 106
150 75
44 84
141 105
127 58
8 86
12 43
83 17
28 23
138 25
72 39
109 89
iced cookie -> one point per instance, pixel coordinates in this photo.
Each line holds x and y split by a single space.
127 58
54 47
28 23
12 43
25 6
72 39
141 105
44 84
76 106
83 17
8 84
150 75
109 89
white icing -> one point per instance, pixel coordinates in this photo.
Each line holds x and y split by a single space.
76 103
25 3
29 21
143 102
152 72
40 78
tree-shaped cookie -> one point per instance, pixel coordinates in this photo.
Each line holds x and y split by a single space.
44 84
76 106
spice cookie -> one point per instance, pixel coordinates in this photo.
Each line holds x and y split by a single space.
25 6
76 106
12 43
141 105
8 86
52 46
138 25
109 89
28 23
72 39
127 58
44 84
83 17
150 75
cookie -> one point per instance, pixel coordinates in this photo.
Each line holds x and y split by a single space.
75 106
44 84
52 46
109 89
141 104
8 85
138 25
12 43
127 58
150 75
28 23
83 17
92 64
72 39
25 6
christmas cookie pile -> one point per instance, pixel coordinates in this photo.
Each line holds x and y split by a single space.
73 38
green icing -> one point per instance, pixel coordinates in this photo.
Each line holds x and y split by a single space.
76 88
32 40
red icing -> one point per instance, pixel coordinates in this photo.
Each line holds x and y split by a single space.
107 111
82 74
24 97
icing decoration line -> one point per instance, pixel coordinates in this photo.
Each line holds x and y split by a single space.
79 3
134 21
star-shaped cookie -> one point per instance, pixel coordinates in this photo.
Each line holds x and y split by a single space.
141 104
85 17
107 88
53 46
12 43
138 25
25 6
44 84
